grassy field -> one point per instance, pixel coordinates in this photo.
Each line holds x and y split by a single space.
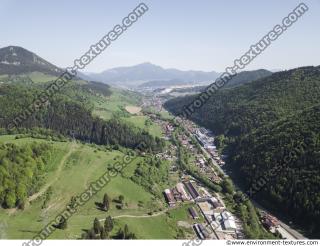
149 228
166 115
3 76
85 164
140 121
37 77
116 103
163 226
133 109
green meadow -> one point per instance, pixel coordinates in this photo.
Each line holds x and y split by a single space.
115 104
144 122
82 164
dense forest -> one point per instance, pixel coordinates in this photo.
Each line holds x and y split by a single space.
98 88
262 123
70 113
293 145
21 172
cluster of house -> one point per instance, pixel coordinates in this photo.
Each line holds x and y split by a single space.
206 169
166 155
153 101
179 193
222 224
167 128
206 139
201 231
200 160
269 221
272 224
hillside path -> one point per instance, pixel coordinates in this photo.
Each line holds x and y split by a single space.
56 175
139 216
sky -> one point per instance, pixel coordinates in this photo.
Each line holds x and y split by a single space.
188 35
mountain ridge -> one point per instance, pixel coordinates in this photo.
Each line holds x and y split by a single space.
15 60
144 72
241 78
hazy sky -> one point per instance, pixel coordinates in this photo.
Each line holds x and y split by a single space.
200 35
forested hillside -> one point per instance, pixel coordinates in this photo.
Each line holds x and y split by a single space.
262 123
248 76
21 172
291 147
70 113
236 111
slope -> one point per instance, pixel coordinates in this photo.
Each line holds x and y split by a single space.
260 124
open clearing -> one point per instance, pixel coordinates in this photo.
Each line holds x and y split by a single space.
133 109
115 104
143 122
162 225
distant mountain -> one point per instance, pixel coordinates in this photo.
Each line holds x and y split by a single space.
146 72
16 60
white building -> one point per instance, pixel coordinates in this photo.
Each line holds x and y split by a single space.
182 191
228 221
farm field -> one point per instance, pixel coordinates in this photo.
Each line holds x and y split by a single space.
115 104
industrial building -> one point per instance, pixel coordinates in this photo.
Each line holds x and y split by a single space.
193 213
182 191
193 192
169 197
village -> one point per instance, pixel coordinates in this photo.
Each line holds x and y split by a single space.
219 223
